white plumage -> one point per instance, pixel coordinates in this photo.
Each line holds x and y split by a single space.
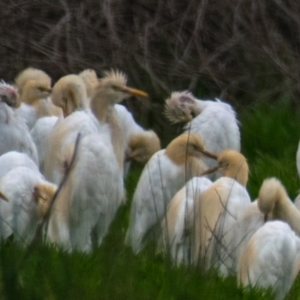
140 144
62 137
40 134
271 259
178 223
247 224
13 159
28 196
214 121
217 210
14 134
274 203
90 198
165 173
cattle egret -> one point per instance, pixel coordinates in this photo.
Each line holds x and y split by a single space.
34 87
90 198
166 172
217 209
271 259
214 121
69 94
274 203
178 223
14 135
110 90
247 224
29 197
9 95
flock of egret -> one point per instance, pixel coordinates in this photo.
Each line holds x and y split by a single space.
191 198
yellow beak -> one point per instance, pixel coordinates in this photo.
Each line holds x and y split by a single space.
132 91
209 154
212 170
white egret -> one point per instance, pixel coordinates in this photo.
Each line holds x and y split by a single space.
165 173
271 259
215 121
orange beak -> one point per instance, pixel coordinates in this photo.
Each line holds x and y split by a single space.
209 154
212 170
132 91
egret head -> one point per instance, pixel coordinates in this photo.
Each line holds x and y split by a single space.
270 193
69 93
142 146
35 90
233 164
43 195
112 88
180 107
31 74
9 95
187 145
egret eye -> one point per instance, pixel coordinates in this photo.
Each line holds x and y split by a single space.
115 87
193 115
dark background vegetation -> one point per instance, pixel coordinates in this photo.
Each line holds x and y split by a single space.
242 51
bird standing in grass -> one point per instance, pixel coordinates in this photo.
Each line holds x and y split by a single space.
274 203
90 197
214 121
177 225
165 173
271 259
217 210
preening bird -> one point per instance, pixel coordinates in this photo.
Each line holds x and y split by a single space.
214 121
69 93
166 172
177 225
35 88
28 198
274 203
90 198
14 135
217 210
271 259
9 95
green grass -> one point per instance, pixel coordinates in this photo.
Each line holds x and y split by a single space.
269 141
